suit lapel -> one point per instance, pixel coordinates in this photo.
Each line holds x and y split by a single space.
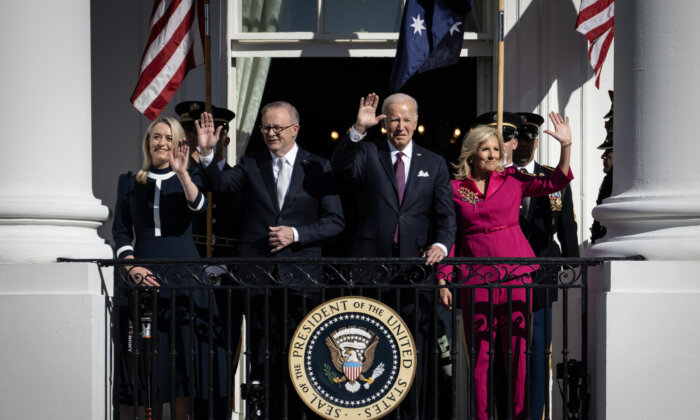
265 167
413 168
385 161
297 176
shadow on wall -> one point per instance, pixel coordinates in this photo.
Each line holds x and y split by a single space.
541 49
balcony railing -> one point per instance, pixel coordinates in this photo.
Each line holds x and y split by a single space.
211 318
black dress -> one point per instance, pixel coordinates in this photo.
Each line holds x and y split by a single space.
158 216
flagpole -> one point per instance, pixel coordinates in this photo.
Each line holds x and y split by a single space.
207 83
501 54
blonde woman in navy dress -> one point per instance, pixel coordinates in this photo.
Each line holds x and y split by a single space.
154 210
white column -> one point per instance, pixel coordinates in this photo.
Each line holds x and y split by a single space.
642 334
54 322
655 207
47 209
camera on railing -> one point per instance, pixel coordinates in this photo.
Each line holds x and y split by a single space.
576 382
254 394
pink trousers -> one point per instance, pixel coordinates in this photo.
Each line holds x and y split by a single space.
483 333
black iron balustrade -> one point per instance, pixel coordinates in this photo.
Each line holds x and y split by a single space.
273 291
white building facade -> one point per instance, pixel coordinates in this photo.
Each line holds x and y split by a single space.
69 68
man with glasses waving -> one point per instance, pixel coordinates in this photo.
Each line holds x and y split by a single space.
291 208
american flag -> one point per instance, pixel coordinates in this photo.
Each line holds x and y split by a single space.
596 20
174 47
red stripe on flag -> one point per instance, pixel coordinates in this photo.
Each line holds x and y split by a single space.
166 52
590 9
162 100
595 17
596 21
598 66
168 55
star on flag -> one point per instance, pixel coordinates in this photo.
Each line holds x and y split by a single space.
417 25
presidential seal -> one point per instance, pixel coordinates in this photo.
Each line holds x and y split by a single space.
352 358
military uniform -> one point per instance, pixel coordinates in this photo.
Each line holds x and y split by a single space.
225 210
541 218
597 230
605 191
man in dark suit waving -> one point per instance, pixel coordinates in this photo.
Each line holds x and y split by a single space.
405 210
291 207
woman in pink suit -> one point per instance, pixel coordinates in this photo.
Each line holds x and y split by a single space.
487 200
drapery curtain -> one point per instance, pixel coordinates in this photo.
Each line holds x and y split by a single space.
251 73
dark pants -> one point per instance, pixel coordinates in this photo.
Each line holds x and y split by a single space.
273 316
230 308
539 361
417 308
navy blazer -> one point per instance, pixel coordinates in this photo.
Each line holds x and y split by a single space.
312 205
426 214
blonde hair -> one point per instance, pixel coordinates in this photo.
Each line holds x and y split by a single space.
476 137
178 134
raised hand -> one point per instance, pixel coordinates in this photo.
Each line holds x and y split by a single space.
207 136
367 113
562 129
179 158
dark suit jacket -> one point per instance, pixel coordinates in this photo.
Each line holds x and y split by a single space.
312 205
605 191
547 216
426 214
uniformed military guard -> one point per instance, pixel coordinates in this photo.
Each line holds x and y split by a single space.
598 231
225 210
540 219
225 207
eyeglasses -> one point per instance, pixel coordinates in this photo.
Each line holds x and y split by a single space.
268 128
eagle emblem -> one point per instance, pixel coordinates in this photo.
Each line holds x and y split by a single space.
352 353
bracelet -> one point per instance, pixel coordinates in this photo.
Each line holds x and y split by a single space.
564 146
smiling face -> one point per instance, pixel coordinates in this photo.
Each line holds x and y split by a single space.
160 142
400 123
486 158
279 130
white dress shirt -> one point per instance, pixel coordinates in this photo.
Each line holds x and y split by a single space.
290 157
407 155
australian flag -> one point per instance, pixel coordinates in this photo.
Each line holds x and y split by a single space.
431 36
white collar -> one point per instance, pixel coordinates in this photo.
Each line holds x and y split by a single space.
161 177
530 167
408 151
291 155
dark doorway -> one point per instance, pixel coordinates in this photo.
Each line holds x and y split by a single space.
326 91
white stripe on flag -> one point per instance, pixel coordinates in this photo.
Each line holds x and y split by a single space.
160 11
596 47
153 90
597 20
164 37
